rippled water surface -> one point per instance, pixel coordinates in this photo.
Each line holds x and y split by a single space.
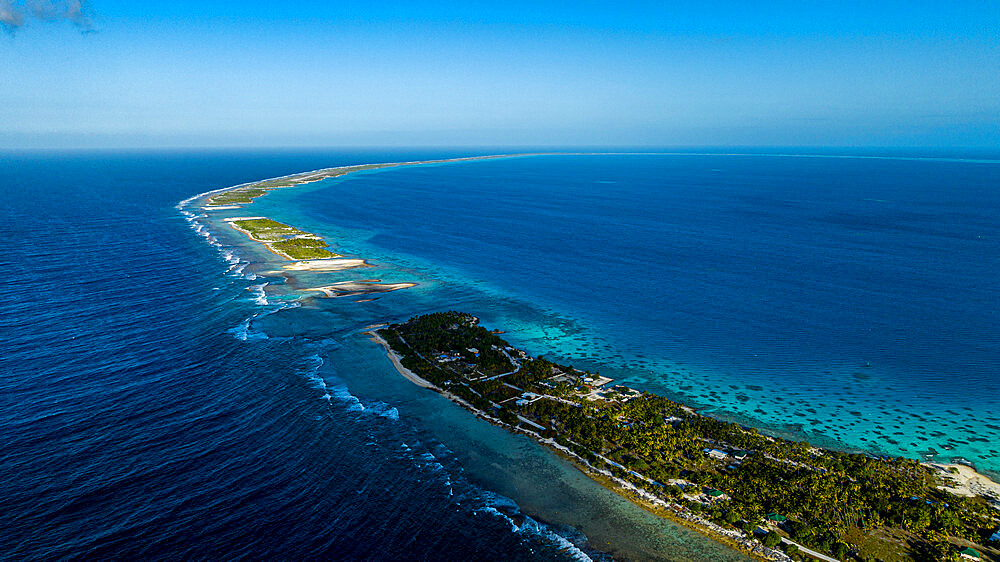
166 395
849 301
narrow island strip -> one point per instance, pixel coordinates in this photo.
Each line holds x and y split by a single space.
282 239
294 244
236 197
309 251
769 497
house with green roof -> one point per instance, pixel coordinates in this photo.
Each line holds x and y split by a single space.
776 517
970 553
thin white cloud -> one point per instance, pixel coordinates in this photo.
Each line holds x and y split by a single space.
14 13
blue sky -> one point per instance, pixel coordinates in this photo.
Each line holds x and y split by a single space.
504 73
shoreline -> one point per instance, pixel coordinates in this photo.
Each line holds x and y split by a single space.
312 176
319 174
970 481
448 352
327 264
265 243
334 261
967 481
640 498
302 178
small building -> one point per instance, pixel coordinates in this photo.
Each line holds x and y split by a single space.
715 453
682 484
776 518
970 553
527 398
996 536
714 493
599 381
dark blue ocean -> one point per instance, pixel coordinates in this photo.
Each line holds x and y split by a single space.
849 301
146 416
169 393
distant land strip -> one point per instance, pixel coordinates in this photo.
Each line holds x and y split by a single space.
235 197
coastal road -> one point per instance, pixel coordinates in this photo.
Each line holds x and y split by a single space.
802 549
810 552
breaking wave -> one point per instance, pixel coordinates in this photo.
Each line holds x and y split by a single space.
425 454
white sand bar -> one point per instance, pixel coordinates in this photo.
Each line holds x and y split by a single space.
963 480
335 264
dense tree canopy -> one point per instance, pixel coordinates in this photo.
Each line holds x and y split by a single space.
818 496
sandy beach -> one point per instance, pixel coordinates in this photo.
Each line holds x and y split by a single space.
624 488
394 357
333 264
963 480
232 222
269 244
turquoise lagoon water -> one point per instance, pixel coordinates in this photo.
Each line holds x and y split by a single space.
547 501
162 398
168 393
848 301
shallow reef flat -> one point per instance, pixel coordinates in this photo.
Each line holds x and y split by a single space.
363 287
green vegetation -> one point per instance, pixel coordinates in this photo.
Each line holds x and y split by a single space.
268 230
238 196
285 239
817 497
245 195
277 183
771 539
304 248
